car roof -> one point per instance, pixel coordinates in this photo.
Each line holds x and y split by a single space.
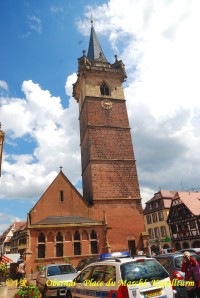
60 264
190 249
119 260
176 254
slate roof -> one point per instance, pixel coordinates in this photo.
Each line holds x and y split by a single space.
56 220
95 48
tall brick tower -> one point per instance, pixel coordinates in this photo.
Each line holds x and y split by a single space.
109 174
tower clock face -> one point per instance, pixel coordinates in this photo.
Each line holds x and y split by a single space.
106 104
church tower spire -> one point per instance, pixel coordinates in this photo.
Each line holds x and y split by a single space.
109 174
95 51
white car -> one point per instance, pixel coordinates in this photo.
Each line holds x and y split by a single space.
122 277
54 279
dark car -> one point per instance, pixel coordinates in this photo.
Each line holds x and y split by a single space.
172 262
193 250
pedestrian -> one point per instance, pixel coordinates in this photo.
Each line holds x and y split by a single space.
21 271
188 265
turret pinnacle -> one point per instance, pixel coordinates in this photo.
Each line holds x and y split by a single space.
95 51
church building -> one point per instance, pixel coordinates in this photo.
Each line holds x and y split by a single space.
64 225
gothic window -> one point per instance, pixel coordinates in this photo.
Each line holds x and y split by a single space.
148 218
59 245
41 246
104 89
93 242
157 203
160 215
77 244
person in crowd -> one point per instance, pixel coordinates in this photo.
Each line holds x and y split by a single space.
188 265
21 271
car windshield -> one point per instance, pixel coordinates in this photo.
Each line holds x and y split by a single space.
144 269
60 269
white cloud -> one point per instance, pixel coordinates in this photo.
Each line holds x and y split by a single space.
3 85
41 119
158 42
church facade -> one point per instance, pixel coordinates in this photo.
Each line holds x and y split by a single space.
63 225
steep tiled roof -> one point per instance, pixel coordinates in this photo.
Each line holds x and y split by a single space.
164 196
65 219
19 225
191 201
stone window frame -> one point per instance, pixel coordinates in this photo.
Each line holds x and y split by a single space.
93 242
59 249
41 246
104 89
77 243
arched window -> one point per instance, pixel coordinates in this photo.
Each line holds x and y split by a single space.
104 89
77 243
59 245
93 242
41 246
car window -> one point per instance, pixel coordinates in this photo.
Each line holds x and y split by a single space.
145 269
66 269
98 273
53 270
165 262
178 262
109 274
84 275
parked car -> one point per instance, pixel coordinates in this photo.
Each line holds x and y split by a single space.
53 279
136 277
172 263
194 250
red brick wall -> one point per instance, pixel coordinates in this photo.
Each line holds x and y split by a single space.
108 162
68 249
49 204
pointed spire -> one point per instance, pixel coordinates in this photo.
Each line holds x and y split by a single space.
95 51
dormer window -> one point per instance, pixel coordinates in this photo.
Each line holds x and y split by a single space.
104 89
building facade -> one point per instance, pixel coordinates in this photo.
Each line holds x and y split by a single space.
108 217
155 217
184 220
109 174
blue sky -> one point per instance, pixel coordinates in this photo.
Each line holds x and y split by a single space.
40 44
